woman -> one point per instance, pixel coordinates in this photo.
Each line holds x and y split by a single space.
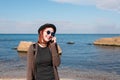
43 56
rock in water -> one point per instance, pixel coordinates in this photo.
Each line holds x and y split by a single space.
114 41
24 46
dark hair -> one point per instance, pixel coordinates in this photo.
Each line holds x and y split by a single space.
47 25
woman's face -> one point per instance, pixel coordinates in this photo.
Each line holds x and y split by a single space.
48 34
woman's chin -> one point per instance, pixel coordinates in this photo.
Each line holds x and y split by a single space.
47 40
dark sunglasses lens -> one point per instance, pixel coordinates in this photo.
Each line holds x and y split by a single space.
48 32
53 34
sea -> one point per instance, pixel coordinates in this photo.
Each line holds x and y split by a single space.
82 55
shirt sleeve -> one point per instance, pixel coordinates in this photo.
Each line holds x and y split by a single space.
30 62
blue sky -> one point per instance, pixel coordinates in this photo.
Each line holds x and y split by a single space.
69 16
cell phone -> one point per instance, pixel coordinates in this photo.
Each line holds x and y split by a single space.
51 41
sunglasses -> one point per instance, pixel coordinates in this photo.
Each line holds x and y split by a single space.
52 33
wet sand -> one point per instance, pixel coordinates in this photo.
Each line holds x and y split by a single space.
65 74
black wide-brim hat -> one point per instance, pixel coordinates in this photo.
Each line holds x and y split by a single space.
47 25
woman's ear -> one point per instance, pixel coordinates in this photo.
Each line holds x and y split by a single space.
41 32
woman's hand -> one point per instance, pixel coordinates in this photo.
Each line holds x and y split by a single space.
54 39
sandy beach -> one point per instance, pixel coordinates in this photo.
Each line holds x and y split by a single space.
65 74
